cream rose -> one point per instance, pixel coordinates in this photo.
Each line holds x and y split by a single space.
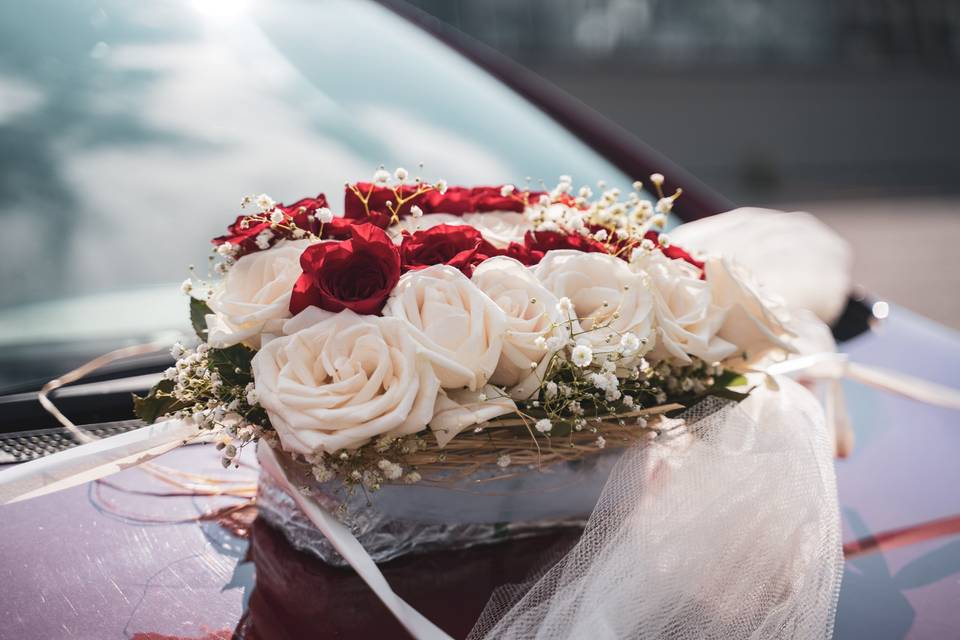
344 380
499 228
254 296
532 318
458 409
458 326
687 320
607 297
753 320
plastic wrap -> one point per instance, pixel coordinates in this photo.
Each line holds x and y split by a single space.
491 505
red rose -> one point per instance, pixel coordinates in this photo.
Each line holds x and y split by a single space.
243 235
673 251
302 212
544 241
377 198
522 253
458 245
455 200
243 232
461 200
356 274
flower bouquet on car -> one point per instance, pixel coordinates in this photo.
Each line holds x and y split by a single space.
441 367
436 329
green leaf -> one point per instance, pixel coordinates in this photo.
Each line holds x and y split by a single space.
159 402
233 364
198 317
730 379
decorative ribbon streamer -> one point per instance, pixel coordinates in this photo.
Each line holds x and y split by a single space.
93 460
836 366
352 551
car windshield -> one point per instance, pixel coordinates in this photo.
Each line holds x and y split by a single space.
130 132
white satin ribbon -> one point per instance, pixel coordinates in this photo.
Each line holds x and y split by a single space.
352 551
93 460
835 366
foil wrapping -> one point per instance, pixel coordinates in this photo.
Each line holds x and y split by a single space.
491 505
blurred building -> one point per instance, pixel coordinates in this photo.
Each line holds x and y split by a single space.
765 100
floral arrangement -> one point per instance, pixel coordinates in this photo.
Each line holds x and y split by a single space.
431 328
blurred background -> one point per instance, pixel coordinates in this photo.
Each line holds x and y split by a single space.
130 131
849 109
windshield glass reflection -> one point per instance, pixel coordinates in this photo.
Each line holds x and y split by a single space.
129 132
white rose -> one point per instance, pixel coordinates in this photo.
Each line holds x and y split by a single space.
457 409
794 254
342 381
499 228
687 318
752 322
458 326
531 313
254 296
608 298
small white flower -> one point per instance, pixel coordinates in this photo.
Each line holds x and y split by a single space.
251 394
540 342
503 461
322 473
276 216
564 305
599 380
628 401
170 373
400 174
225 250
263 239
656 178
412 478
324 215
565 179
550 390
638 186
441 186
416 211
629 343
575 408
601 442
265 202
381 176
391 470
582 355
187 286
544 425
506 190
664 205
601 235
647 245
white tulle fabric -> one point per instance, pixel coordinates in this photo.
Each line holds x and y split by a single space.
726 526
